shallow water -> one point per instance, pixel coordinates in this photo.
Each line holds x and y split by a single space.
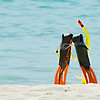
30 31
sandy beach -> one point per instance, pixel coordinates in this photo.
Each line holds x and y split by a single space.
50 92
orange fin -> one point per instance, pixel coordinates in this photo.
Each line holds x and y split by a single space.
89 75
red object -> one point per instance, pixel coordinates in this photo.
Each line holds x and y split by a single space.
80 23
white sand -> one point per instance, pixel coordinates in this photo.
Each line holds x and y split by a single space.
50 92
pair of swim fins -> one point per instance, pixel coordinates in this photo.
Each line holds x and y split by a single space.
64 60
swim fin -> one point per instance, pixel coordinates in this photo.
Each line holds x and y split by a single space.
84 59
65 50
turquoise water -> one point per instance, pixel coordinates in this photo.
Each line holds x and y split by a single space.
30 31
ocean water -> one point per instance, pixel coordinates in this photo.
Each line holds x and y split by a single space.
30 32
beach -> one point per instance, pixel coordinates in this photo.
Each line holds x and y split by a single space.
30 33
50 92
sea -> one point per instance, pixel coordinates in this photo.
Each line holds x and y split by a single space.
31 31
